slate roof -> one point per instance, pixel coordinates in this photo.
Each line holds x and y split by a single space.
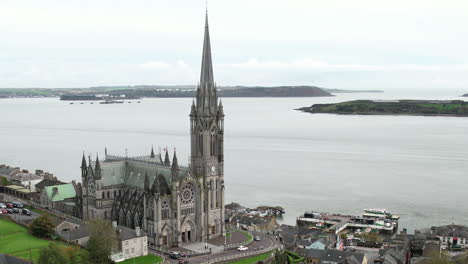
392 256
332 256
338 256
303 242
311 253
64 191
452 231
25 177
75 234
47 182
7 259
132 171
7 170
126 233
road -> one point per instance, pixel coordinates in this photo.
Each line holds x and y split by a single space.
265 242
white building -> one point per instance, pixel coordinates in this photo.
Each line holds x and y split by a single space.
132 243
452 235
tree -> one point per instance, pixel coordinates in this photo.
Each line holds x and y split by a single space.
42 227
280 257
52 255
75 255
102 241
3 181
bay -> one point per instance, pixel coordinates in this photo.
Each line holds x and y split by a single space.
414 166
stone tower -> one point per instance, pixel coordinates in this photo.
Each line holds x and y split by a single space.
207 135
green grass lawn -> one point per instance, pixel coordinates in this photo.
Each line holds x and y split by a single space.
247 235
15 240
149 259
253 259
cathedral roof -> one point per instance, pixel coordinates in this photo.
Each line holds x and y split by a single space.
132 171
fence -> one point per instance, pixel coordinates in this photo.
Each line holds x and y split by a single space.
188 253
60 214
244 243
240 255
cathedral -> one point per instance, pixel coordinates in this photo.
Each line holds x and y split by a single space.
172 203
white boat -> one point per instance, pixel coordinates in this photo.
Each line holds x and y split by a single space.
382 212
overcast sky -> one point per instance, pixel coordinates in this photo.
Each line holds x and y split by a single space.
358 44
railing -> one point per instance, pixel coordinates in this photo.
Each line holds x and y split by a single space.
244 243
59 213
240 255
187 253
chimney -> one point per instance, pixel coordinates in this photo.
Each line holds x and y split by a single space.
114 224
54 191
137 231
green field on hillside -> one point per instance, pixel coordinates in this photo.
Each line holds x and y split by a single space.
15 240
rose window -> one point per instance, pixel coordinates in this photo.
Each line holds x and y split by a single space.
188 195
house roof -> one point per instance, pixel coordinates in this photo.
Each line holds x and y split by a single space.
338 256
303 242
126 233
18 188
64 191
25 177
7 170
75 234
312 253
47 182
7 259
452 231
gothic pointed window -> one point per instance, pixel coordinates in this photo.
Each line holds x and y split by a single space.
165 209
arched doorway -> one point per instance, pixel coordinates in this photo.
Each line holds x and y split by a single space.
165 236
187 232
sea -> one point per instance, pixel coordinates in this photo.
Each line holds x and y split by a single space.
414 166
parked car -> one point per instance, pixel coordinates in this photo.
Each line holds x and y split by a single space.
26 212
16 210
174 255
242 248
9 205
10 211
17 204
2 205
257 238
4 211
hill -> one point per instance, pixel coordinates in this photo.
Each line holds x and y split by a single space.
399 107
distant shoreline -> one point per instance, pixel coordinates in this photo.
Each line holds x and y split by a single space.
154 91
451 108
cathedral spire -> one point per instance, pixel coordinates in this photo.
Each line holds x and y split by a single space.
97 167
175 164
152 152
206 91
83 162
167 162
147 187
206 75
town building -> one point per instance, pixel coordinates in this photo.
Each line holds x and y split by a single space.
60 197
173 204
450 235
332 256
16 176
132 243
46 182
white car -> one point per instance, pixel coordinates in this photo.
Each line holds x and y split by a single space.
242 248
2 205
